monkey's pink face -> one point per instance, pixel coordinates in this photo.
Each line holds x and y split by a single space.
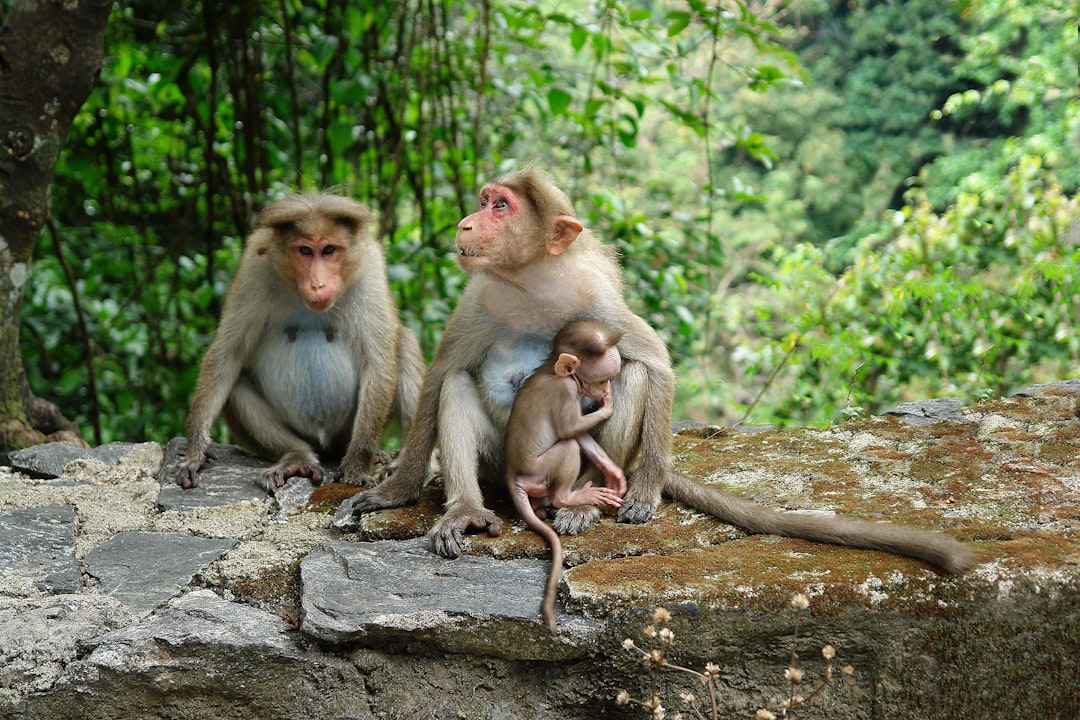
491 238
317 265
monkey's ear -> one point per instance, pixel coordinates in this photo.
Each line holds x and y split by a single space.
564 231
566 365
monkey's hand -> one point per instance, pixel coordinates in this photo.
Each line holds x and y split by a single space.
196 454
394 491
292 464
445 536
614 479
575 519
602 496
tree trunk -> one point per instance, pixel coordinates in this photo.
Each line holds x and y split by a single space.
50 58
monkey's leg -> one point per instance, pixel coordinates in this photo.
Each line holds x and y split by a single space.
258 425
620 437
466 435
649 390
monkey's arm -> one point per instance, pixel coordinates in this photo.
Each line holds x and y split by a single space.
230 349
613 474
402 487
570 423
377 384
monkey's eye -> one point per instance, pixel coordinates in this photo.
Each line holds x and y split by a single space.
306 250
329 250
501 204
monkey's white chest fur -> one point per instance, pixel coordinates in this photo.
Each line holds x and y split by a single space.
508 363
305 370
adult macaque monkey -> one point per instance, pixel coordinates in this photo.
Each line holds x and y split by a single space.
547 433
310 357
533 269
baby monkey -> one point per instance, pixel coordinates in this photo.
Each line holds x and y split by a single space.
547 433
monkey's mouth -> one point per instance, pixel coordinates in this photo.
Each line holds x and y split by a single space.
319 307
469 259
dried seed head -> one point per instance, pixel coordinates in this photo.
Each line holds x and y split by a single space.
623 698
800 601
794 674
628 644
763 714
828 652
661 615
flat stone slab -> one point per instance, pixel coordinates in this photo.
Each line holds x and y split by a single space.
928 412
39 544
199 618
1072 385
231 476
48 460
373 591
142 569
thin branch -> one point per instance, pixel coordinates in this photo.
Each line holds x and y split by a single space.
84 332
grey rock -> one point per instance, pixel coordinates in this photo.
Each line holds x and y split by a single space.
48 459
1043 389
39 543
141 569
40 637
197 657
232 475
200 617
374 591
928 412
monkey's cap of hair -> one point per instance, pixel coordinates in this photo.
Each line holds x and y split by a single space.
586 337
546 199
296 209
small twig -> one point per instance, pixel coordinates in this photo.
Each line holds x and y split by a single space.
84 332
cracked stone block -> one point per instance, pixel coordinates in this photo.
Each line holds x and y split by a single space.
231 476
142 569
48 459
39 543
387 589
928 412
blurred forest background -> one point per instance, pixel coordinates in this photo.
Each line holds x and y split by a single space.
824 206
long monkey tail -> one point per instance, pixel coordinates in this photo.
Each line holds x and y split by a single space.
950 555
551 592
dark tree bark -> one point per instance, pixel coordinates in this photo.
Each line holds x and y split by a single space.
50 58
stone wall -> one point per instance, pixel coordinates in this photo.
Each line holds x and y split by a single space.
122 597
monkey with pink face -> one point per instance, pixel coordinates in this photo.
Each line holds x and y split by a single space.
533 268
310 358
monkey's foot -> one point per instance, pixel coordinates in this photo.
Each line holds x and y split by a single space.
195 459
446 535
575 519
291 465
636 512
360 480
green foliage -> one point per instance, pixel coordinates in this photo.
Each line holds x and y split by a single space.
891 222
983 296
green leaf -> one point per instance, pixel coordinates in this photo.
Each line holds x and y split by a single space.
678 21
558 101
